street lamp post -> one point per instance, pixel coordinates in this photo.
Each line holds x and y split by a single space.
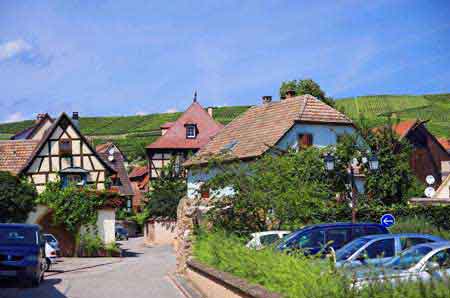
373 166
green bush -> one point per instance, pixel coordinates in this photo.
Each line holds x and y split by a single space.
112 249
90 244
418 224
296 276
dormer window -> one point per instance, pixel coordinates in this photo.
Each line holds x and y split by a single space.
191 131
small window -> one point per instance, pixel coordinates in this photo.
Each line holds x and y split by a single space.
73 179
442 258
338 237
305 141
407 242
268 239
381 249
312 239
358 232
373 231
191 131
65 147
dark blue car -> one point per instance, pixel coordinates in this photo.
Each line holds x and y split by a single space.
22 253
319 238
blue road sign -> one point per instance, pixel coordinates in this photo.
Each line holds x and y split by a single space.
388 220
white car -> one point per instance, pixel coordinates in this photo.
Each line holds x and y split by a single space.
52 251
262 239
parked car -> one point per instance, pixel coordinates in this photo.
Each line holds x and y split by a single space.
320 238
377 249
419 263
22 253
262 239
121 233
52 251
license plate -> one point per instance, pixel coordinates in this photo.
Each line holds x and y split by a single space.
8 273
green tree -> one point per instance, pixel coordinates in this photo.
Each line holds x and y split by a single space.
74 207
273 192
166 192
306 86
17 198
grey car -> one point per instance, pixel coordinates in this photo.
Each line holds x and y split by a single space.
378 249
421 262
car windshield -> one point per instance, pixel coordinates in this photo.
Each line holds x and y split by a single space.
408 258
49 238
17 236
350 248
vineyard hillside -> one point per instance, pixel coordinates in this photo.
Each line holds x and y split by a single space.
133 133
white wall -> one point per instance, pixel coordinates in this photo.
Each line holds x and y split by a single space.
106 225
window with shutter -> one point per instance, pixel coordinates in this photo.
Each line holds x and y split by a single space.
305 141
65 147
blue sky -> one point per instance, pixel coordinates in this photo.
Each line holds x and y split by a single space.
139 57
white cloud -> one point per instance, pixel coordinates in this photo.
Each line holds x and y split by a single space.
141 113
14 48
14 117
172 110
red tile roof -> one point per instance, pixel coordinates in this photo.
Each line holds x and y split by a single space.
261 127
15 154
445 143
402 128
138 172
175 137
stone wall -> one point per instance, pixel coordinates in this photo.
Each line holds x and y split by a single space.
186 220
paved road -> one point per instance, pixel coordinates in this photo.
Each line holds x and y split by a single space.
142 273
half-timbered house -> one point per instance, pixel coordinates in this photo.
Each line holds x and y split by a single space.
182 138
62 152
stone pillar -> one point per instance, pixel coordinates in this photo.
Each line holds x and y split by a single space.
186 213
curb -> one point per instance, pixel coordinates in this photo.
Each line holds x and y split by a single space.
184 286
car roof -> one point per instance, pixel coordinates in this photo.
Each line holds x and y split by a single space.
411 235
340 224
435 245
268 233
25 226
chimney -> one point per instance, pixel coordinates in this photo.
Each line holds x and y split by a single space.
290 93
40 117
266 99
210 111
76 119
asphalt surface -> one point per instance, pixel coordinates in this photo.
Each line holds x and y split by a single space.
143 272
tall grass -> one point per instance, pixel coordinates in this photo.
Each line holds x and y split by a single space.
297 276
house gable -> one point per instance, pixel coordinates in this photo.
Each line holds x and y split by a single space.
65 150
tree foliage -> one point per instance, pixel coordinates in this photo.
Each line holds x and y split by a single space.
306 86
73 206
166 192
17 198
272 192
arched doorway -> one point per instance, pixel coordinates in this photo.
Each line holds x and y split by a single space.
65 238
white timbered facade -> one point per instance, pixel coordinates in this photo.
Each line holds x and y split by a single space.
65 154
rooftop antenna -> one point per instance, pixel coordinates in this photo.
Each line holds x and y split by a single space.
195 96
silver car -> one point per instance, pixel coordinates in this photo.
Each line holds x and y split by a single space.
421 262
378 249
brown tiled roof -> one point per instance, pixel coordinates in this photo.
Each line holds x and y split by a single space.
119 166
445 143
403 128
138 172
28 132
14 154
261 127
175 137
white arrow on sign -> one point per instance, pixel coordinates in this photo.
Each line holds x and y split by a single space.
387 221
